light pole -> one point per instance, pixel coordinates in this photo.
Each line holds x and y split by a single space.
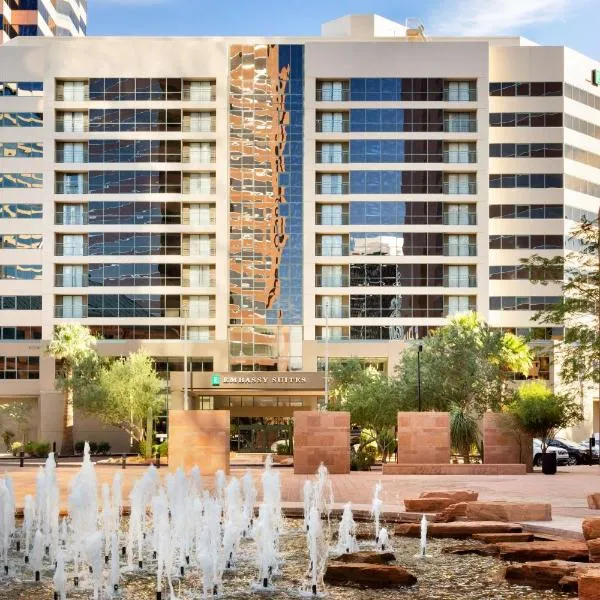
326 307
419 350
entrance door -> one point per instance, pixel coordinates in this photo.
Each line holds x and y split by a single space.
259 434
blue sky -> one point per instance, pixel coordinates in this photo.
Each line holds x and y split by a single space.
572 23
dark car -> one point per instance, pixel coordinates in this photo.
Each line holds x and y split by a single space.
576 455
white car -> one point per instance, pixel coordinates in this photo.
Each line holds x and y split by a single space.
562 456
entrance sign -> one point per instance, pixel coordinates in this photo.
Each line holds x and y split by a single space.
261 380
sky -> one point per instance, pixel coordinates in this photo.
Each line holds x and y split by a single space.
573 23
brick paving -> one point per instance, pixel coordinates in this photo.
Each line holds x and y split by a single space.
566 491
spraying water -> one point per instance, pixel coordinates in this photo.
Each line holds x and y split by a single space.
383 540
347 532
60 577
317 551
376 507
37 554
423 541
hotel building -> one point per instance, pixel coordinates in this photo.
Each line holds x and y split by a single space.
63 18
242 205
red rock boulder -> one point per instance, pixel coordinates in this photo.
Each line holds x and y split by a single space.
368 575
558 574
457 529
570 550
427 505
591 528
594 550
372 558
593 501
456 495
494 538
589 585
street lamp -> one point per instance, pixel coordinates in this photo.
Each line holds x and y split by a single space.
326 307
186 400
419 350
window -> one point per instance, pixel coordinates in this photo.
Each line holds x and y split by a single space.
331 214
200 91
330 183
460 183
458 214
21 180
535 88
200 276
21 272
74 90
460 122
200 183
73 122
21 119
21 211
72 214
459 245
331 307
19 367
460 152
73 152
199 333
331 153
526 119
331 275
457 305
331 245
332 91
199 307
200 245
458 276
72 245
459 91
526 180
71 307
332 122
71 276
201 122
200 152
21 150
200 214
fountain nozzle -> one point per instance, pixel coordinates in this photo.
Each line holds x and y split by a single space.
37 576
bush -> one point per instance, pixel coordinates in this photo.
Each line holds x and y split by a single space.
16 447
37 449
79 446
103 448
163 449
283 449
93 448
363 458
7 437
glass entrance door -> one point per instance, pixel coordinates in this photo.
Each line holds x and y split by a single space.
259 434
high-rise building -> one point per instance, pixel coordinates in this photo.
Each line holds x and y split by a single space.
63 18
253 208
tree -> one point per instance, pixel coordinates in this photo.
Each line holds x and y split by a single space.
578 272
343 373
541 413
71 344
128 394
373 403
464 364
464 431
19 412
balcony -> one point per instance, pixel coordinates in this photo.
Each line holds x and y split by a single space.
460 282
334 312
61 249
202 252
326 126
469 126
204 126
461 95
79 96
208 95
197 314
338 95
451 249
201 158
70 157
69 312
208 283
332 157
460 156
459 219
71 281
336 250
204 190
71 128
453 189
472 307
204 222
68 219
66 187
331 281
333 220
333 189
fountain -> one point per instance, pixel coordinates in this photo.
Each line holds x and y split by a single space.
423 539
376 508
37 554
317 550
347 532
60 577
383 539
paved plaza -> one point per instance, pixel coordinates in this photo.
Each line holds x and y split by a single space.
566 491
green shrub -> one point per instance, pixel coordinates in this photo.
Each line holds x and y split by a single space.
79 446
16 447
103 448
283 449
163 448
93 448
28 448
7 437
363 458
41 449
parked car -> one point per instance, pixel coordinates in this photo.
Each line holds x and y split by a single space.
585 448
562 456
576 455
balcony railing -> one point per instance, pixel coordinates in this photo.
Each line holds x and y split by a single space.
209 283
451 249
469 126
205 126
68 312
460 156
65 187
334 312
333 157
200 95
471 308
68 219
333 221
202 158
328 127
61 249
82 128
459 219
327 95
71 281
186 251
332 188
70 157
337 250
460 96
332 339
199 191
331 280
470 281
460 188
204 222
81 96
186 313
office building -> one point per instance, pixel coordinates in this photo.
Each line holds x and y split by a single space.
258 205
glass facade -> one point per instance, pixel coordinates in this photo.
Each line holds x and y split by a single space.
266 96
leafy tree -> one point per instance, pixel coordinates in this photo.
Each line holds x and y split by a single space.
343 373
20 413
578 272
541 413
464 364
71 344
128 394
373 403
464 431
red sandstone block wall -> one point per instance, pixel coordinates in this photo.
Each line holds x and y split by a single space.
502 443
199 438
423 438
321 437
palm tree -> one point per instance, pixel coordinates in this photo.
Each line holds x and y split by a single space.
71 343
